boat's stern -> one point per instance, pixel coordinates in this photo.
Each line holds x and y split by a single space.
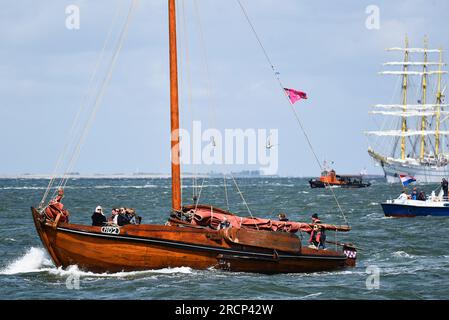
351 255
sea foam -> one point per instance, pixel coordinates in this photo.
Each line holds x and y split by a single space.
37 260
32 261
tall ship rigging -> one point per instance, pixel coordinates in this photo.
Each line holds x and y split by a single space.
412 139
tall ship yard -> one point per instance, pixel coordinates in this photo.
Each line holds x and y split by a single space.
412 139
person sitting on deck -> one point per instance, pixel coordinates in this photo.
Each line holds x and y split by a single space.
283 217
98 218
318 237
422 196
114 216
55 208
133 218
403 196
123 218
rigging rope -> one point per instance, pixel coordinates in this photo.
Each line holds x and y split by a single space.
226 192
199 194
243 199
185 38
211 106
81 109
277 76
100 93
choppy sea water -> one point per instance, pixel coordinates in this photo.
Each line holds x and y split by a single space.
411 254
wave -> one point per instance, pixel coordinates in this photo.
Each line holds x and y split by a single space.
403 254
125 187
36 260
23 188
312 295
80 188
74 270
33 261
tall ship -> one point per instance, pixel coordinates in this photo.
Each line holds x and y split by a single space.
412 139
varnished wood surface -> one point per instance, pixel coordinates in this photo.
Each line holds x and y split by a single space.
147 247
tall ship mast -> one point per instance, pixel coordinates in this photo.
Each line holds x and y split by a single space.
412 139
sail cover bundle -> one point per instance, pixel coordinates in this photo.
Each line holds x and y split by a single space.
207 217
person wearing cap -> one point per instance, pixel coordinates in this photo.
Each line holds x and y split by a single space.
98 217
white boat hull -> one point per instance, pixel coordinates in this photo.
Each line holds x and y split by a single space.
422 174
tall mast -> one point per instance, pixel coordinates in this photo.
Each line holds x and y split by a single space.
404 99
424 98
439 100
174 110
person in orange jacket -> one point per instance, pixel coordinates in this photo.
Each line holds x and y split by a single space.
55 207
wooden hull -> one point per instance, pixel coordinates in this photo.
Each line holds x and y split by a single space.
147 247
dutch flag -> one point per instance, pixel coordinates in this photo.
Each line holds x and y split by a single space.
406 180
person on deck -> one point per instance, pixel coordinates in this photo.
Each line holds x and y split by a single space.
444 186
114 215
315 219
55 208
422 196
403 196
318 237
282 217
123 218
414 194
98 217
133 218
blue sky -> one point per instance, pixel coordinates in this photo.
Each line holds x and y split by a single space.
320 47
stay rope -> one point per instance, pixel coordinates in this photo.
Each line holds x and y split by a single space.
83 107
226 192
277 76
243 199
188 80
81 110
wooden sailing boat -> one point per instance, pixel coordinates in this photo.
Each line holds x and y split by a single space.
192 237
417 143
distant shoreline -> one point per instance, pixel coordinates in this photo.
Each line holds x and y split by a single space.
153 176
